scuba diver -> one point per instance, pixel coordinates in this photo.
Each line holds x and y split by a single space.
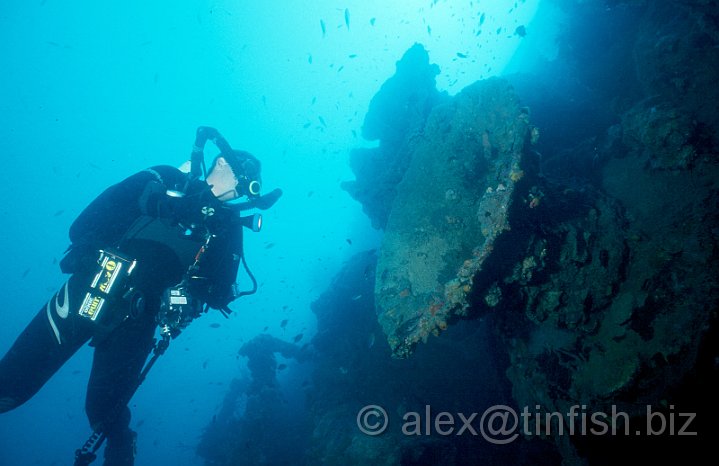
157 249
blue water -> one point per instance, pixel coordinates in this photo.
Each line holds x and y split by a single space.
93 92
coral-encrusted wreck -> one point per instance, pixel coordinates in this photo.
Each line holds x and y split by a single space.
450 207
594 264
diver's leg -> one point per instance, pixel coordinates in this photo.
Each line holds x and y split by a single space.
117 364
54 334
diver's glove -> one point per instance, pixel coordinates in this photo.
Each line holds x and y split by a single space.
194 209
185 209
215 293
206 132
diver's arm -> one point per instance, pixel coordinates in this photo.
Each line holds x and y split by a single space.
104 221
171 197
115 208
204 133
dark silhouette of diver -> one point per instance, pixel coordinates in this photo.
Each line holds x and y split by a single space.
254 415
158 248
261 361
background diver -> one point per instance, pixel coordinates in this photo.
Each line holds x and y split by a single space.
158 248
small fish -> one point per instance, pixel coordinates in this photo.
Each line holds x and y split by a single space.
355 298
324 29
282 367
283 324
347 18
307 125
354 134
461 55
371 340
353 55
349 241
371 21
204 365
297 338
314 99
309 59
270 245
429 30
24 274
59 212
310 193
521 31
322 120
214 325
499 30
481 19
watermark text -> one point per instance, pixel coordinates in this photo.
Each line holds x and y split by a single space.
502 424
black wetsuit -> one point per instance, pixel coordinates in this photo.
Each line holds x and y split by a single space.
138 219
